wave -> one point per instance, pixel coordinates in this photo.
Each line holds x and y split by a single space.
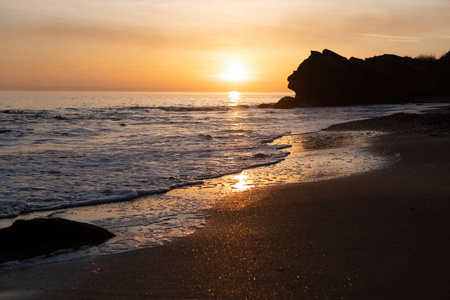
108 113
12 209
189 108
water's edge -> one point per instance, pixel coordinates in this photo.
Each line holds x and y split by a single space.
137 223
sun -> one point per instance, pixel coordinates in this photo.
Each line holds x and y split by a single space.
234 71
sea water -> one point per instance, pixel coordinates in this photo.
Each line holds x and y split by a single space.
147 166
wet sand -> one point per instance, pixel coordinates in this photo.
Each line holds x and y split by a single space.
378 235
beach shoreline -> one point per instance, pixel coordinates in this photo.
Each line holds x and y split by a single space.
378 235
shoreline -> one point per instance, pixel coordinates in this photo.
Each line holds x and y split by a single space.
312 157
382 234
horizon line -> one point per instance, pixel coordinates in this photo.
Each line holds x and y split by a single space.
130 90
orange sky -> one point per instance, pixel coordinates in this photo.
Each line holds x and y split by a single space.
181 45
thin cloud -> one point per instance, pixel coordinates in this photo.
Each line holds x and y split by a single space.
49 23
394 38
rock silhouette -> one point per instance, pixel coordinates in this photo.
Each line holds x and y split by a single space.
29 238
328 79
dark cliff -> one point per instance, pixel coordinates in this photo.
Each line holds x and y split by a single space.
328 79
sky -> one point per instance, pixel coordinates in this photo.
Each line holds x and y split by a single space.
202 46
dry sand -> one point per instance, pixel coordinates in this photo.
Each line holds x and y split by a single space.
379 235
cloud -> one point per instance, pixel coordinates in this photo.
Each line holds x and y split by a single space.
49 23
394 38
398 23
89 32
223 35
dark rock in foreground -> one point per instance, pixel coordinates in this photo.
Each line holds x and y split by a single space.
328 79
437 124
29 238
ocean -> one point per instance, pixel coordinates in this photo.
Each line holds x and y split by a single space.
148 166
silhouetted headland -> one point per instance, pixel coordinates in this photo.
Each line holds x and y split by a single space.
328 79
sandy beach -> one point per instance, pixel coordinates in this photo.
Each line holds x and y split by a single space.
378 235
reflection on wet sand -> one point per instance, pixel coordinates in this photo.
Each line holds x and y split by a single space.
312 157
244 182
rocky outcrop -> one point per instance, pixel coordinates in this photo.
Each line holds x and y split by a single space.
328 79
433 124
29 238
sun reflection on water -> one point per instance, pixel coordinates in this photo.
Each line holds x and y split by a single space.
234 98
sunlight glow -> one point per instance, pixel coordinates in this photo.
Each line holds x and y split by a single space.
201 46
243 183
235 72
234 98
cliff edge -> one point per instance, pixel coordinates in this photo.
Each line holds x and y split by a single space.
329 79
